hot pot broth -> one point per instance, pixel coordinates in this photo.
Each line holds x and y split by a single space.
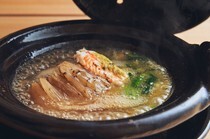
64 83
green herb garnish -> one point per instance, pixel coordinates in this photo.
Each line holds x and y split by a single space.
141 84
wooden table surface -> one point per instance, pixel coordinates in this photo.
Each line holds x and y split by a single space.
19 14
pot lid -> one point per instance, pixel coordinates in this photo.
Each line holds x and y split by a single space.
170 16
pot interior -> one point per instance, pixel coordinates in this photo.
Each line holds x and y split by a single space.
168 52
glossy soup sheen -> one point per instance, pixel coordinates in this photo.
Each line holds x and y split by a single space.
148 86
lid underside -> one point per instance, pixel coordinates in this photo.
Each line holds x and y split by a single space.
170 16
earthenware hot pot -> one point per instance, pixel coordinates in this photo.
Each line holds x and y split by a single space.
187 65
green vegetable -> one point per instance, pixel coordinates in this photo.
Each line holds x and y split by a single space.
141 84
144 82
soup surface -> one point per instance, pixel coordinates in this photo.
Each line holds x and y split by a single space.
96 84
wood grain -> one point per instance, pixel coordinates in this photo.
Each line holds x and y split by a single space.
19 14
37 7
14 23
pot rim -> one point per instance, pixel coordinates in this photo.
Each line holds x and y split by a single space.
28 116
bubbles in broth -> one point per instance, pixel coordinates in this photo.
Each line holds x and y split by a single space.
96 84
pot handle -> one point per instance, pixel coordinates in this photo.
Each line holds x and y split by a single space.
203 62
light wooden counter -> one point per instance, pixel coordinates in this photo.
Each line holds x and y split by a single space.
19 14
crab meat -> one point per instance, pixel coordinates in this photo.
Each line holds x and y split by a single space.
101 66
